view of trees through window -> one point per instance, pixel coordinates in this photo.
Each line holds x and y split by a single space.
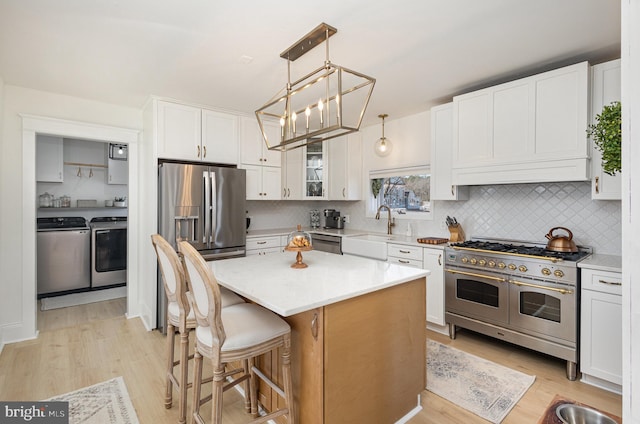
403 193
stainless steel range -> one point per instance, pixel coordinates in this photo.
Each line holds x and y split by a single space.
518 292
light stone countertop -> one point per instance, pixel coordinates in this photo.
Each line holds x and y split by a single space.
270 281
611 263
347 232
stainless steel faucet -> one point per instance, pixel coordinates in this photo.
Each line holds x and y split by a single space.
390 222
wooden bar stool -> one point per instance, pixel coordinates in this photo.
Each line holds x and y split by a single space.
239 332
180 317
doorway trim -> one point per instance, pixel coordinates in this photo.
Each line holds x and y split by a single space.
31 126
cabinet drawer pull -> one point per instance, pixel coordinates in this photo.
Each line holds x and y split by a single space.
261 242
404 251
314 326
402 261
611 283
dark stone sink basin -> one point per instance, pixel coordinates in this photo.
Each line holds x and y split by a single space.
576 414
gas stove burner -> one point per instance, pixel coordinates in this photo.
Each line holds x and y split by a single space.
526 249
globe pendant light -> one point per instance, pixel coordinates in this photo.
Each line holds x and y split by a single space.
383 145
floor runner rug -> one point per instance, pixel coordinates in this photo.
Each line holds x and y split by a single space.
485 388
104 403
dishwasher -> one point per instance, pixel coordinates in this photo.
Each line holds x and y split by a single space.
63 255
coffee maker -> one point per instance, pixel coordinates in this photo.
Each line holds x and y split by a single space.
332 219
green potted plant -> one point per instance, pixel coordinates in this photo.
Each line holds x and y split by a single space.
607 136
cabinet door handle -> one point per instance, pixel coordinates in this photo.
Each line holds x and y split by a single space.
344 192
597 185
440 259
204 151
452 190
198 155
611 283
284 192
288 193
314 326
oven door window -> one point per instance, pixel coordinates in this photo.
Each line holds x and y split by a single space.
540 305
478 292
111 250
545 309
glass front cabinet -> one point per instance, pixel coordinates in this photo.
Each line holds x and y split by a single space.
315 166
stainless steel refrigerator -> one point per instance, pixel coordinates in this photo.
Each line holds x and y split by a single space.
204 205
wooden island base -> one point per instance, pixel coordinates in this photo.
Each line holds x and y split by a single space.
361 360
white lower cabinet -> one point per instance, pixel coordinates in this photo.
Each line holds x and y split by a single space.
402 254
263 245
433 261
430 258
601 329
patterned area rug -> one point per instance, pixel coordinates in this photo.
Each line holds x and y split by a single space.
485 388
104 403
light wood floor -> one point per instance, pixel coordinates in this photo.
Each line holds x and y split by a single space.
84 345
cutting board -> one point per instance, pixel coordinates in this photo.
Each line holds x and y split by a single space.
432 240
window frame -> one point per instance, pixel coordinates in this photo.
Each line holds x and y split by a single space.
372 203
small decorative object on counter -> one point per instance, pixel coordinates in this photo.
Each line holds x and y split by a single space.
455 229
120 202
314 218
299 241
45 200
65 201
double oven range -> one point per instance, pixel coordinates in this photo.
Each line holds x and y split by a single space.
516 291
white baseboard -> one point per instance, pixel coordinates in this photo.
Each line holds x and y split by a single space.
75 299
442 329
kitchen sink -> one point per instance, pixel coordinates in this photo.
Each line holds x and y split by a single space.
577 414
372 246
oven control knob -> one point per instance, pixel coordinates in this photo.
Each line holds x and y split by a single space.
492 264
522 268
464 259
558 273
501 265
482 262
473 261
512 267
546 271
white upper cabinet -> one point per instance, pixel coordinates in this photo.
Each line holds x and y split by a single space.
528 130
292 175
264 175
314 158
117 171
253 149
605 89
49 159
345 167
442 187
191 133
219 137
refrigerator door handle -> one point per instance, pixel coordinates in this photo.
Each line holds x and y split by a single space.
212 207
207 203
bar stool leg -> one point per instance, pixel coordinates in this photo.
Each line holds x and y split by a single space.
216 394
286 377
246 386
184 376
168 397
197 386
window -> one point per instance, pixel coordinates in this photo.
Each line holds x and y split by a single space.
406 191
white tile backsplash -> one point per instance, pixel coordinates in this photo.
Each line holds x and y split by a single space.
513 211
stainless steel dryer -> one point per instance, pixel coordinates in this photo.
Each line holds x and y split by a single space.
108 251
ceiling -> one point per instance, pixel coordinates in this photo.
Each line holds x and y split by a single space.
226 54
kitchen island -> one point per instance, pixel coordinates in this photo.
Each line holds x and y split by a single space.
358 332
